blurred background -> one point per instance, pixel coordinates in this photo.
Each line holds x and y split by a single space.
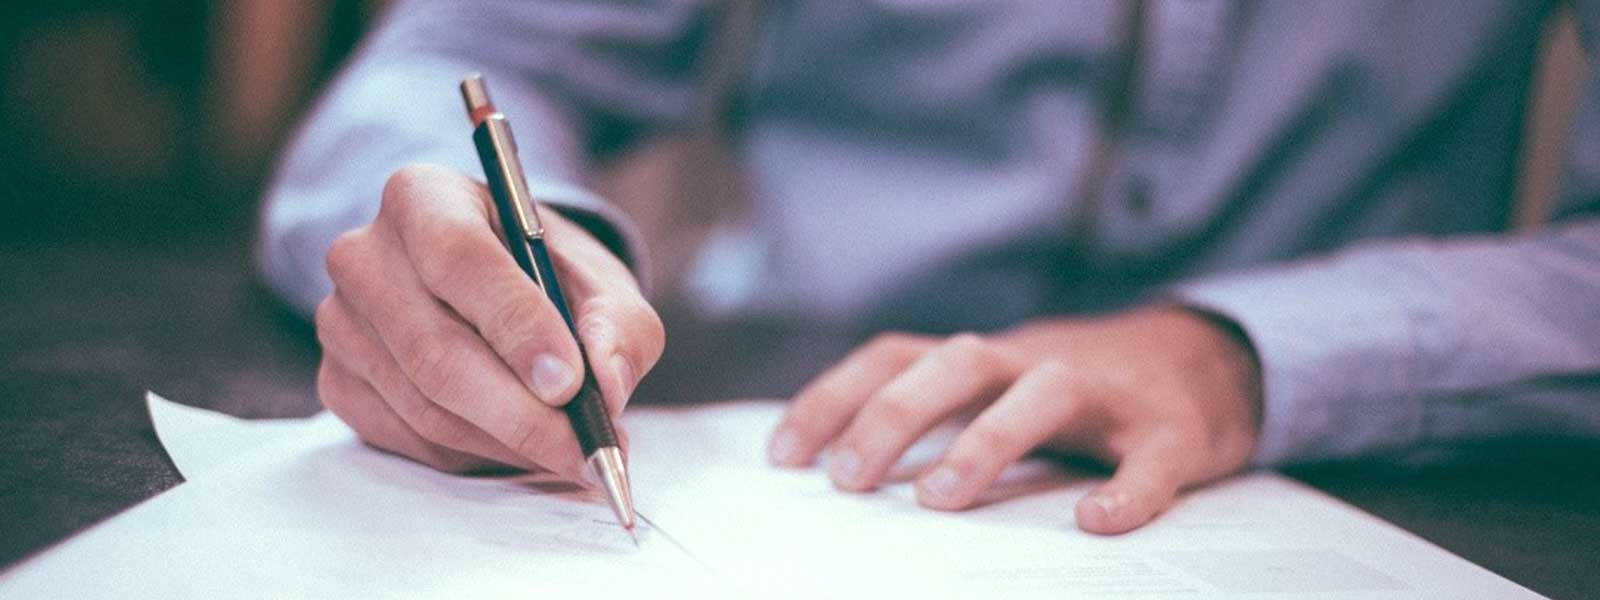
134 139
154 122
138 136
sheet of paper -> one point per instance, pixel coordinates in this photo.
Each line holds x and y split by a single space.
311 512
199 440
792 532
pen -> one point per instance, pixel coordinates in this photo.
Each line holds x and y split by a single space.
519 217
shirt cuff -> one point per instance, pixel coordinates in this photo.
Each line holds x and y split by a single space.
601 219
1339 360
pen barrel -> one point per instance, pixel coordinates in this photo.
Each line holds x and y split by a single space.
505 209
524 237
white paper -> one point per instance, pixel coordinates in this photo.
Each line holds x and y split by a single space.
311 512
199 440
791 533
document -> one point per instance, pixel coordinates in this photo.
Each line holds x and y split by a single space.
310 512
303 509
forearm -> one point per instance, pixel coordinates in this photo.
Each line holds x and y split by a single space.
333 173
397 104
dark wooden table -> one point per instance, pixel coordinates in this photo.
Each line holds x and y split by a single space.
84 331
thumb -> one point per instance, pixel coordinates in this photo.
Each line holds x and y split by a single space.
1144 484
623 338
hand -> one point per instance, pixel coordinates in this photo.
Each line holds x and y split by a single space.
437 347
1164 394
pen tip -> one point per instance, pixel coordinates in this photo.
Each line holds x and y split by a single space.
612 472
634 535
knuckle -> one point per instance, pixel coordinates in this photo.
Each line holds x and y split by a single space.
402 186
325 322
326 389
333 391
593 314
332 349
436 425
646 332
655 331
519 322
322 317
992 440
890 411
598 329
596 305
345 255
452 252
641 333
432 362
342 341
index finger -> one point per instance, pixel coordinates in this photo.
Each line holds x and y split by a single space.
827 404
445 227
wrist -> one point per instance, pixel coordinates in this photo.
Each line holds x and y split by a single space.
1230 358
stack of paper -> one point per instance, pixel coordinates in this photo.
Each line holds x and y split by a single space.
305 510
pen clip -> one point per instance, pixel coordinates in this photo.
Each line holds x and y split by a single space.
475 92
522 201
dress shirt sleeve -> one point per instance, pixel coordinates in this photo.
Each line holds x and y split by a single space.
1418 348
577 79
1419 345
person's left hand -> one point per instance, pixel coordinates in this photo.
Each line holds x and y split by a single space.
1163 393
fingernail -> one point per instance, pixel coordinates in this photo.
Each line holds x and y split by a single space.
784 448
942 483
551 377
1110 503
844 465
625 375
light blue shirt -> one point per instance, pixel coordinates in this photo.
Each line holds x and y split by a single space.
1336 177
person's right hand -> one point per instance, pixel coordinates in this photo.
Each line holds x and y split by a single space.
436 346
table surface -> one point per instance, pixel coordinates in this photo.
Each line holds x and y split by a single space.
84 331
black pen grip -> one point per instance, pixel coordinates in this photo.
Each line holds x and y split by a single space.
587 412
